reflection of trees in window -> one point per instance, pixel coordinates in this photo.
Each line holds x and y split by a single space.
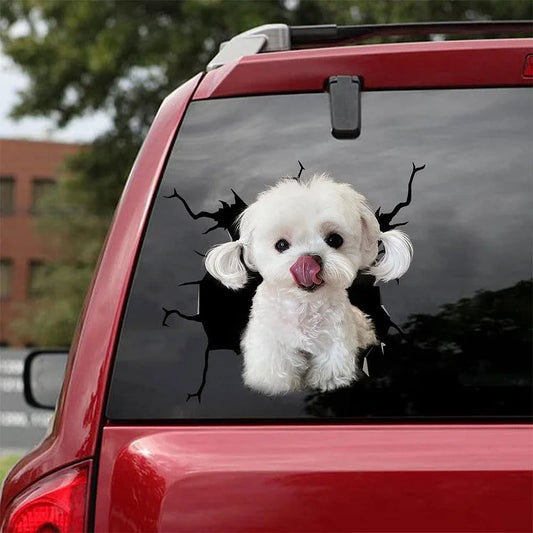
41 188
472 358
486 337
7 195
6 278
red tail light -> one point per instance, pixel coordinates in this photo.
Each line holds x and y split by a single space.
55 504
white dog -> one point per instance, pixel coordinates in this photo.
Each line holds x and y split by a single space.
307 240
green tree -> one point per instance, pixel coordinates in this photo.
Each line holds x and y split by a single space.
123 57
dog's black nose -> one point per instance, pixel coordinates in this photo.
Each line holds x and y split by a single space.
317 258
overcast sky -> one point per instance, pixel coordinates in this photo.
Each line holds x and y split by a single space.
12 80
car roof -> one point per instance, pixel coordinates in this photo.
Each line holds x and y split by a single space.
416 65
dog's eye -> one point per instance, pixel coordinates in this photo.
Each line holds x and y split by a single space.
282 245
334 240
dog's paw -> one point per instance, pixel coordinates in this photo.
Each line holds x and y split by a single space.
326 381
273 388
272 384
336 383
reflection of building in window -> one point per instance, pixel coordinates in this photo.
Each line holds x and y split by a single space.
6 278
41 188
7 195
34 283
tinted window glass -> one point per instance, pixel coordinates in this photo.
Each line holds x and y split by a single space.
458 343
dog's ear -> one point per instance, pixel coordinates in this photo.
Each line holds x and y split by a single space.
397 248
397 256
369 235
224 263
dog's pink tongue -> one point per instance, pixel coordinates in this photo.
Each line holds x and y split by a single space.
305 271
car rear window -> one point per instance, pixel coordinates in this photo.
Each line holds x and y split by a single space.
455 331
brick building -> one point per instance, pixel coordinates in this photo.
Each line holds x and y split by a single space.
28 170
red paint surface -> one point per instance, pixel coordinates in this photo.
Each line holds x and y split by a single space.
79 414
392 66
321 478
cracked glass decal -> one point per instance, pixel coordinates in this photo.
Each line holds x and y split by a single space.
363 293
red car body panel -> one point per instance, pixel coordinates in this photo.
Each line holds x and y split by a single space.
453 64
315 478
371 478
79 413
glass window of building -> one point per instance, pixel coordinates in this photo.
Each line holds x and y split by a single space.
41 188
7 195
6 278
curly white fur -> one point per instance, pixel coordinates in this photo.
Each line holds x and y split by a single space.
397 257
225 260
306 337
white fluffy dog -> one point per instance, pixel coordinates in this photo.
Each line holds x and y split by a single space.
307 240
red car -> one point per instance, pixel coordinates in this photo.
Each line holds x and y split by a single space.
154 428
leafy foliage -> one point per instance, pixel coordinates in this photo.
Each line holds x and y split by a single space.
123 57
6 463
